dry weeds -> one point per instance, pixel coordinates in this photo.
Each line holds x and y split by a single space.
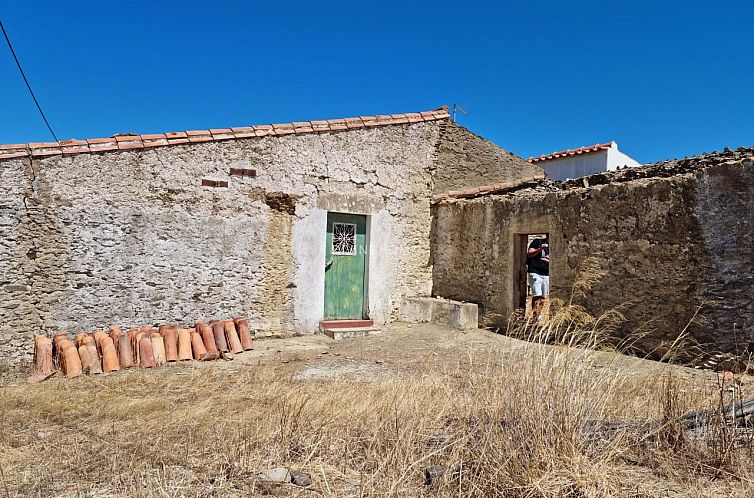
534 426
543 420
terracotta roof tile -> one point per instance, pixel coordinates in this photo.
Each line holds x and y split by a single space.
222 133
69 142
50 151
43 145
154 142
571 152
243 131
263 130
414 117
98 141
126 138
130 142
337 124
10 154
13 146
195 139
283 129
399 118
74 149
303 127
103 146
354 123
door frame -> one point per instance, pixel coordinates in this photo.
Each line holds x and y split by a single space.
518 278
367 253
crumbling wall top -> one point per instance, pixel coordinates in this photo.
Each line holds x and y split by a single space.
663 169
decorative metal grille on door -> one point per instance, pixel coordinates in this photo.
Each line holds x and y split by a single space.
343 239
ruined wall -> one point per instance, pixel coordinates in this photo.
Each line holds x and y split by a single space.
466 160
671 245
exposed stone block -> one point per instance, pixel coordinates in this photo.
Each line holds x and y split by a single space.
459 315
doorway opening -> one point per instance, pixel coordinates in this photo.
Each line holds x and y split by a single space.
522 290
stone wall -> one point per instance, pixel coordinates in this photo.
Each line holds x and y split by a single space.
468 160
132 237
674 239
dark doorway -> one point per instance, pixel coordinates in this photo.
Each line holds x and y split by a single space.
521 290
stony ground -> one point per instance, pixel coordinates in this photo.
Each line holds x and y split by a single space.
328 408
408 350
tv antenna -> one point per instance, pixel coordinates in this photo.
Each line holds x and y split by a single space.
457 107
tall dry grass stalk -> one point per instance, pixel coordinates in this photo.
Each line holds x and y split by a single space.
536 419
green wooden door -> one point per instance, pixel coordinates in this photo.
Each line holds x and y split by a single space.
345 263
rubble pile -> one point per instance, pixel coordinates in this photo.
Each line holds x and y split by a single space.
102 352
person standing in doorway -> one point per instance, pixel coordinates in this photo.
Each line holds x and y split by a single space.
538 268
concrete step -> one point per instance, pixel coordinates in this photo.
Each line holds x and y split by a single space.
350 332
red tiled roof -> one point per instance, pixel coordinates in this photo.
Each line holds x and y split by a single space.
130 142
571 152
496 188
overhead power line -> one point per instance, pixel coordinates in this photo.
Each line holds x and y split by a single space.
23 75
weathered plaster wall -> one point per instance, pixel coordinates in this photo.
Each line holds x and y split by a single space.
576 166
132 237
670 246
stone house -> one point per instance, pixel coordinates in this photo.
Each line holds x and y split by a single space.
584 161
291 224
287 224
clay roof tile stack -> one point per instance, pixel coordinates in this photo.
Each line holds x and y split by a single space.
99 352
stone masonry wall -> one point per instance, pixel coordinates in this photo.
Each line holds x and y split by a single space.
465 159
671 244
132 237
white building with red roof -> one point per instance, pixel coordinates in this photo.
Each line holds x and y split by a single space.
584 161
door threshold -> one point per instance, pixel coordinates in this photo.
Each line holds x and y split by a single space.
345 324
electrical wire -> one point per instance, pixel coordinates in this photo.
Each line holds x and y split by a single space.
23 75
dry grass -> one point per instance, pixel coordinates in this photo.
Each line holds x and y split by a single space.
540 420
525 426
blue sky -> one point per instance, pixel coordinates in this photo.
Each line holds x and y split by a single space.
664 79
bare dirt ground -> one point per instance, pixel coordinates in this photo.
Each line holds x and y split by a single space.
363 417
402 351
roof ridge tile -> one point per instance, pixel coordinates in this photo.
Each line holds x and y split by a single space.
571 152
151 140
